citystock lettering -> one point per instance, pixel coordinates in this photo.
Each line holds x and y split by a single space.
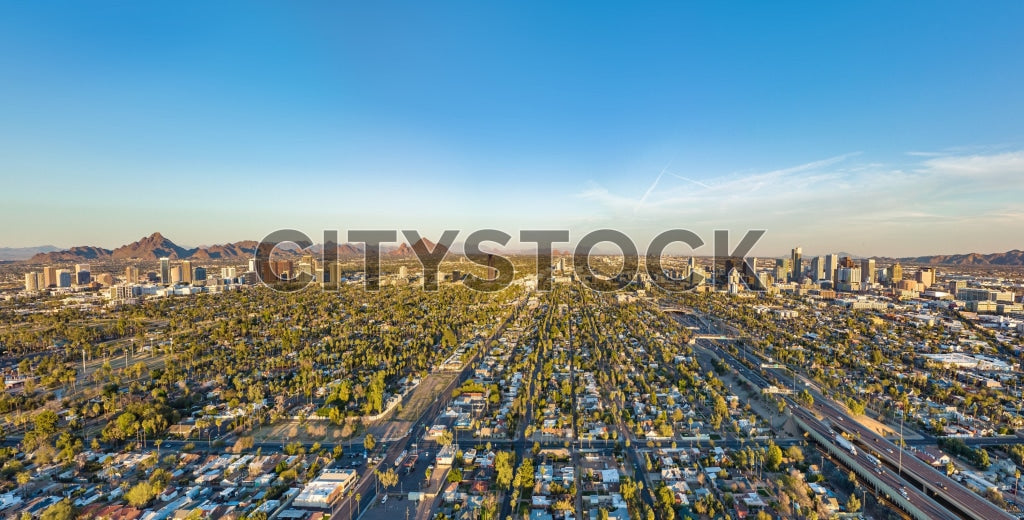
499 269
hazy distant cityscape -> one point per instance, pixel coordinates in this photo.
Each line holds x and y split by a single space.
152 387
511 260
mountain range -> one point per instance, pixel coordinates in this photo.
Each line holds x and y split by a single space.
1009 258
153 247
157 246
24 253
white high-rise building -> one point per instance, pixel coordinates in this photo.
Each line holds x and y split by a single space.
867 270
831 264
32 281
818 268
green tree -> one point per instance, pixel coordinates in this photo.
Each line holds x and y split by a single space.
853 505
369 442
46 422
140 494
773 457
60 511
805 398
983 458
445 439
455 475
503 467
388 478
524 475
795 454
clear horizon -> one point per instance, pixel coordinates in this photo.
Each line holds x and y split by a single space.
876 129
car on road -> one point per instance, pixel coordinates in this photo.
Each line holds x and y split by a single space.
384 500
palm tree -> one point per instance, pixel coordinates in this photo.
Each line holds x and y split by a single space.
1016 487
202 424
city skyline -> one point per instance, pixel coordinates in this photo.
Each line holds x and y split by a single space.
876 129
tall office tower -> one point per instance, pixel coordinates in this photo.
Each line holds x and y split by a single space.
780 273
926 276
897 273
334 268
818 268
403 271
227 273
63 278
692 264
49 276
198 274
254 265
798 266
867 270
848 278
131 274
306 265
831 263
956 285
176 277
31 281
83 274
284 269
783 269
165 270
186 271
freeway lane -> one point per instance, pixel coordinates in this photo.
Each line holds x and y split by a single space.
971 504
929 478
919 498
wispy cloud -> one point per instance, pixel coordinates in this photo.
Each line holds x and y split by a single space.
1009 166
836 199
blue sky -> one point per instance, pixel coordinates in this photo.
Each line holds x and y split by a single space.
872 128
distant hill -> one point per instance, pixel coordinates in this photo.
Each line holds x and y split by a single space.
153 247
1009 258
24 253
405 250
245 248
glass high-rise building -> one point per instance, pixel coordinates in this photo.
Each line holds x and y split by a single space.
165 270
798 266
